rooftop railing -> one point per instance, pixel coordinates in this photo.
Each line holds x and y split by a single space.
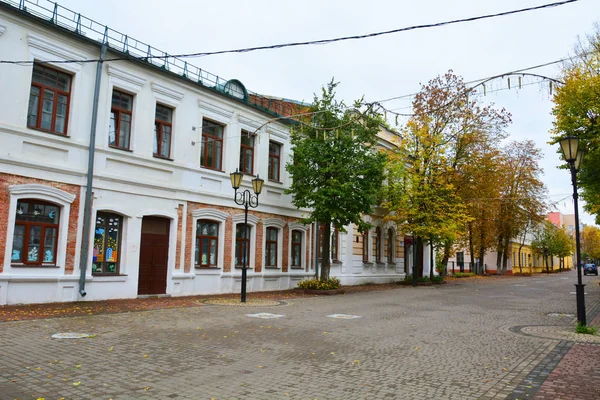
136 49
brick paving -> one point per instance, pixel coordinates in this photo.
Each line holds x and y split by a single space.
441 342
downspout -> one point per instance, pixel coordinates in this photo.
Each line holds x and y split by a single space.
316 248
87 211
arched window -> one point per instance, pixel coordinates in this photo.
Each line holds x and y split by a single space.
107 243
378 240
390 246
365 238
36 233
207 244
335 244
271 247
242 246
297 248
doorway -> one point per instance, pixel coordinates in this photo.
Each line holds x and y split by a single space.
154 256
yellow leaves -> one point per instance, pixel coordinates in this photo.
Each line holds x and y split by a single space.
332 353
78 366
355 362
416 349
76 383
110 348
260 366
146 356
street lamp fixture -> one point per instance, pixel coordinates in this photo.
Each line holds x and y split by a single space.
247 199
574 155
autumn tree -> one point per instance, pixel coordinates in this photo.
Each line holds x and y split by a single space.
439 143
577 113
563 245
337 170
543 242
590 243
522 195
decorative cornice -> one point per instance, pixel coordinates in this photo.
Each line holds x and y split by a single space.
249 122
214 109
34 189
277 133
237 218
274 222
127 77
168 92
210 213
298 226
37 42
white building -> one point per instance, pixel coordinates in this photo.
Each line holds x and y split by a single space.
167 135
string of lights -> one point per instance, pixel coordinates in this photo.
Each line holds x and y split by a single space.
307 43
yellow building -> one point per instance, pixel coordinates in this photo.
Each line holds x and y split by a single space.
529 262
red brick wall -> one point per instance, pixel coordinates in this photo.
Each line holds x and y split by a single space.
227 259
179 236
6 180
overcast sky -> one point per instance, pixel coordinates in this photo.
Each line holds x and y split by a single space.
377 68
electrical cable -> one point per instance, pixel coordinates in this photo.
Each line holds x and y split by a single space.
312 42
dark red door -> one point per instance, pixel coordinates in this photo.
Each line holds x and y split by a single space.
154 256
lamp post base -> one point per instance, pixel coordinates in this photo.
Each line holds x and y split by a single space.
579 293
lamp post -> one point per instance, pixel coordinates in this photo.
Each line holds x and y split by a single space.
573 155
247 199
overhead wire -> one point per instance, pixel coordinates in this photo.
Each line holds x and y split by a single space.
311 42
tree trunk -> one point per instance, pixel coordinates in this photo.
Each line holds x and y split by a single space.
499 250
505 256
472 256
552 262
482 248
431 263
447 248
325 265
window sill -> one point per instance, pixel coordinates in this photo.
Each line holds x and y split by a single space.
96 275
336 262
274 181
120 148
368 263
240 267
271 267
162 158
33 266
297 267
211 169
206 268
63 135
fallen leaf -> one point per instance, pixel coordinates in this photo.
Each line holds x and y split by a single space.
110 348
146 356
78 366
76 383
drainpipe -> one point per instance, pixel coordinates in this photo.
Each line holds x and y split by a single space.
316 253
87 212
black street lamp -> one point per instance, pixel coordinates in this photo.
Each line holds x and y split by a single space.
573 155
247 199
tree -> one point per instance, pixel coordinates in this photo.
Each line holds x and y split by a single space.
590 243
448 129
337 170
543 242
563 245
577 113
521 197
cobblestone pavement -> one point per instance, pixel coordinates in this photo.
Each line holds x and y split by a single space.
440 342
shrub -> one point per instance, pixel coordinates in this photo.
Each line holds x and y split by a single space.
316 284
463 274
438 279
587 330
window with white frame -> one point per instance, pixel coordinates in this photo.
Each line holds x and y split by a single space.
297 248
242 246
207 244
271 245
107 244
38 226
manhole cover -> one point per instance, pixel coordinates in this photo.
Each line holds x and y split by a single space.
70 335
265 315
344 316
248 303
563 315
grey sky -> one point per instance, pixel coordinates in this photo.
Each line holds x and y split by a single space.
379 67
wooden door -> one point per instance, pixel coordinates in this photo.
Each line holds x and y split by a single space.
154 256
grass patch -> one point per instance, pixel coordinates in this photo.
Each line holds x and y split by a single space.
585 329
463 274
